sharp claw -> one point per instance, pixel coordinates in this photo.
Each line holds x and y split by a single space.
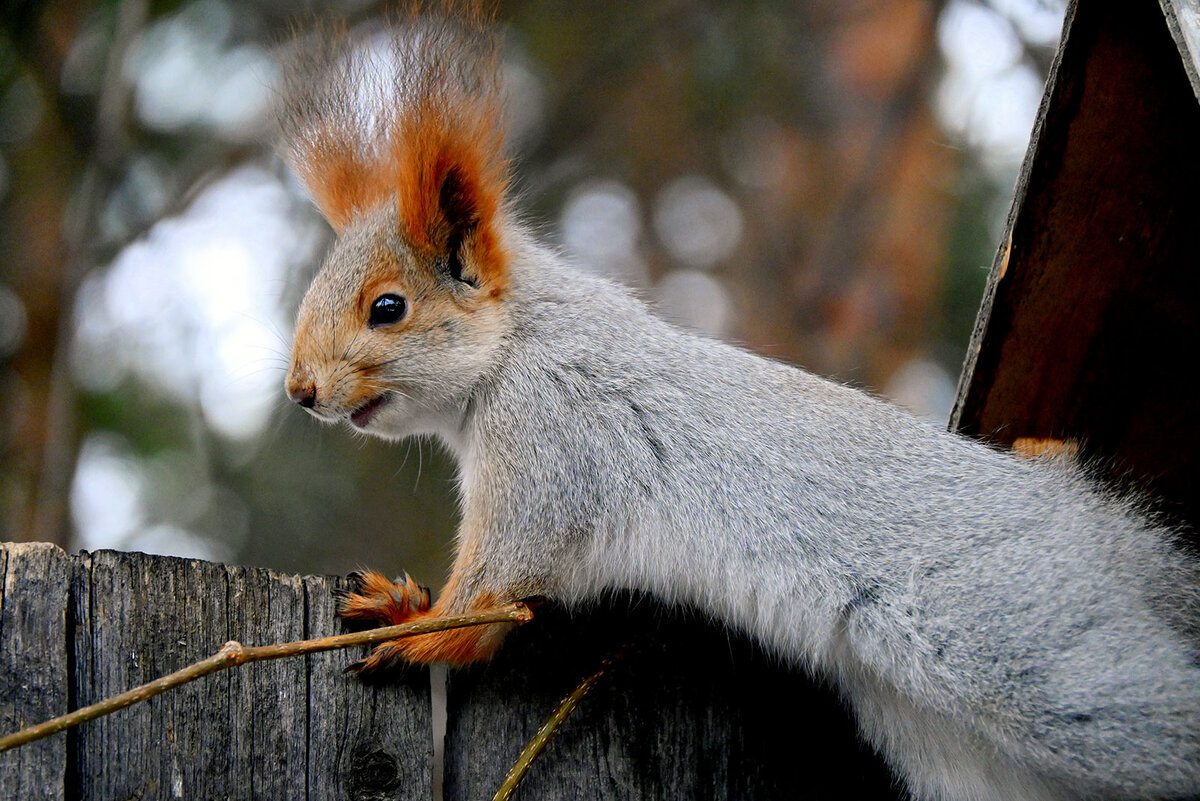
368 666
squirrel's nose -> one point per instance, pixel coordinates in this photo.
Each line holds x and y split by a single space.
306 395
302 389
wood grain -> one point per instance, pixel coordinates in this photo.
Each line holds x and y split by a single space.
34 580
367 741
74 630
691 712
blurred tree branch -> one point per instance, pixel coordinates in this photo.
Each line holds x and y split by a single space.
45 168
72 157
848 234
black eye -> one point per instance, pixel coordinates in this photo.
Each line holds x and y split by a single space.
387 309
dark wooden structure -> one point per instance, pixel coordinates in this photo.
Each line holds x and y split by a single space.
690 712
1090 326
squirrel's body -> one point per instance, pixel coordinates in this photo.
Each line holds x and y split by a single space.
1002 627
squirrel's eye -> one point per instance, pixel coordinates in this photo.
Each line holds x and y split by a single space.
387 309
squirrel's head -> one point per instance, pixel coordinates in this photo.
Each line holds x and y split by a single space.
399 139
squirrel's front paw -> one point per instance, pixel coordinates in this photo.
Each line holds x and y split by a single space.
376 600
373 600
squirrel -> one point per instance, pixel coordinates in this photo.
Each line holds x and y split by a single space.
1001 627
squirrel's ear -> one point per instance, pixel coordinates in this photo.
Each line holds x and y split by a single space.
318 113
430 135
451 185
461 221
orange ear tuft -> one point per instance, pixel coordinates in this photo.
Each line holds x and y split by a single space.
415 116
451 180
340 183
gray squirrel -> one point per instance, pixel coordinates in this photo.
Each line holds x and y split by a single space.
1002 628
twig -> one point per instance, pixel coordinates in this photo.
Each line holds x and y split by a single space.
234 653
551 727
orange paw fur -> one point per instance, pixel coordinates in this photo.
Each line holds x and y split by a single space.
376 600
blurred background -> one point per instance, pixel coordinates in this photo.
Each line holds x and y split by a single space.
823 181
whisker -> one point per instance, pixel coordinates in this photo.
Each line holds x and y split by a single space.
420 464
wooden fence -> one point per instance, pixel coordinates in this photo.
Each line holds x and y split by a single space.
692 712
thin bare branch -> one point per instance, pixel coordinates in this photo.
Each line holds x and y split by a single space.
551 727
234 653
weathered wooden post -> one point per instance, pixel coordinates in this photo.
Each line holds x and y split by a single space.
77 629
692 711
35 581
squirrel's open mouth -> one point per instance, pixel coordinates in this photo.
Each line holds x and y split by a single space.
361 416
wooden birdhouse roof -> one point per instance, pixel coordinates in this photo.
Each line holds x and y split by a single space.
1089 330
